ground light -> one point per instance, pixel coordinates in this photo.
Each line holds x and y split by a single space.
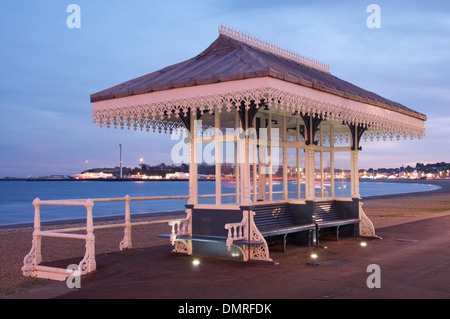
196 262
363 244
314 260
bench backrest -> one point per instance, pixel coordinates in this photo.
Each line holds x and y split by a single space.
274 216
211 222
327 211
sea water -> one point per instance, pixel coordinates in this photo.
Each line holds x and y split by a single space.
16 197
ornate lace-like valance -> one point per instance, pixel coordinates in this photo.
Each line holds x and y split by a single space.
161 110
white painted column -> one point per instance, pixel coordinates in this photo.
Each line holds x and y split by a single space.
285 175
262 158
245 164
321 162
332 160
236 158
298 159
309 165
269 141
354 176
255 159
193 183
218 156
309 172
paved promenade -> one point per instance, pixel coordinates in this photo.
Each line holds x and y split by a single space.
413 259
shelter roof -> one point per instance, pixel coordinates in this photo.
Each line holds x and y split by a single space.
228 59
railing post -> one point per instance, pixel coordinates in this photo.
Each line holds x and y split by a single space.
34 257
126 242
37 228
88 264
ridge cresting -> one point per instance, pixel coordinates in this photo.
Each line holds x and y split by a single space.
273 48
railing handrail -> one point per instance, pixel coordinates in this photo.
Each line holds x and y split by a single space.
81 201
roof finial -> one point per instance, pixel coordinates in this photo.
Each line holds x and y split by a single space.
272 48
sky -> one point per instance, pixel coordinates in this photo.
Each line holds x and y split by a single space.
48 70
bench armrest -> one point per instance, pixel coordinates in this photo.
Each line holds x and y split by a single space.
180 226
237 231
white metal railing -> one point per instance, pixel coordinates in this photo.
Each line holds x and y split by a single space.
33 259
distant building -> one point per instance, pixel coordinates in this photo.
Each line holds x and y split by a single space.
177 175
93 175
115 171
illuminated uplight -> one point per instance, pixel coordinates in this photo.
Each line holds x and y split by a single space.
363 244
196 262
314 256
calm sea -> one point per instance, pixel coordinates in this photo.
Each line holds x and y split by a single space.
16 197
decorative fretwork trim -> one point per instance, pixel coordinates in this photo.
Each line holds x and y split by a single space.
166 115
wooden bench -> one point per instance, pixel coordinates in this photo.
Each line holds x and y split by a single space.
277 219
327 214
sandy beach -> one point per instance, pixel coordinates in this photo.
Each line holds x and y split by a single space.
15 242
392 209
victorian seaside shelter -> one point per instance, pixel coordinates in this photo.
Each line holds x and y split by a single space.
261 105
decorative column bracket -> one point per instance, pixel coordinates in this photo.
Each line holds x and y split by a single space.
311 126
187 118
356 135
366 227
